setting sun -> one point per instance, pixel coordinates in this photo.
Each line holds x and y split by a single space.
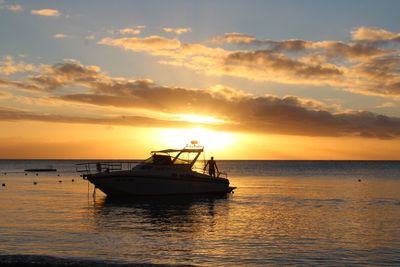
213 141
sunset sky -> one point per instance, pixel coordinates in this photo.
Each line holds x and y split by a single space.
248 79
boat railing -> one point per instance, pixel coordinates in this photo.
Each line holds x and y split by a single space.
203 171
222 175
105 166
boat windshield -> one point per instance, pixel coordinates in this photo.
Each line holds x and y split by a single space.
159 159
186 156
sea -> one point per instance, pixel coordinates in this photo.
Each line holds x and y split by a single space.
282 213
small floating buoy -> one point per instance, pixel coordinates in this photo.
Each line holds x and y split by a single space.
73 180
3 184
58 175
37 174
359 180
26 174
59 181
5 173
35 183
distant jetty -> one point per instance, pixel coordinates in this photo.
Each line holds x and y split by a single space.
41 170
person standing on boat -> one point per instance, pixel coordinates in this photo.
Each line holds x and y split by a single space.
212 165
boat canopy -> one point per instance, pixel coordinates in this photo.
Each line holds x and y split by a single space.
178 159
185 150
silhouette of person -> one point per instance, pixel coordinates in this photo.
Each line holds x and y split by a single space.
212 165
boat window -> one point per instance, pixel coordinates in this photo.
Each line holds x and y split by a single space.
181 161
158 159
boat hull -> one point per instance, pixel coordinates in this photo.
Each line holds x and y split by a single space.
124 184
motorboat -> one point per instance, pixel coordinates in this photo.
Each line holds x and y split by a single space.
165 172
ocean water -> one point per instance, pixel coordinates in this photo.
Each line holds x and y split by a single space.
282 213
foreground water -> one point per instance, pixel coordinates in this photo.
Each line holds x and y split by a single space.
283 213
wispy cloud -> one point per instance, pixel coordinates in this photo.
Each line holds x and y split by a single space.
386 105
151 43
132 30
47 12
233 38
10 7
61 36
4 95
7 114
177 31
374 35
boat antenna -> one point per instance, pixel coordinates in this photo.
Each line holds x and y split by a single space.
204 158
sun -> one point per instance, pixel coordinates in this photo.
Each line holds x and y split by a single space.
213 141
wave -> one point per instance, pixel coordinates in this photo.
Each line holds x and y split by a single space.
50 261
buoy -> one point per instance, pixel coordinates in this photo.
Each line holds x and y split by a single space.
58 175
3 184
73 180
5 173
359 180
26 174
34 182
37 174
59 181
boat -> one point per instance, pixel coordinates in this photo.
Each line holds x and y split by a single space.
165 172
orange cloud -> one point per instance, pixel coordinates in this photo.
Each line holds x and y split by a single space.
239 111
233 38
177 31
47 12
151 43
374 35
9 66
133 30
19 85
60 36
352 66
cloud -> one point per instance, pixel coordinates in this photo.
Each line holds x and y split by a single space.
90 37
63 74
331 49
4 95
233 38
19 85
177 31
133 30
270 114
386 105
359 66
10 7
130 31
151 43
9 114
60 36
46 12
374 35
8 66
275 66
238 110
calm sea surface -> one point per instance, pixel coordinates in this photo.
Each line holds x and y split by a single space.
282 213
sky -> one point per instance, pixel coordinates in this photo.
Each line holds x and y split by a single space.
247 79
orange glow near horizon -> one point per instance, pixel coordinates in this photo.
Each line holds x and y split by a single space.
79 141
199 119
